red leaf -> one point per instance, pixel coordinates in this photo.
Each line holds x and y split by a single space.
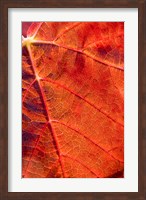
73 100
25 26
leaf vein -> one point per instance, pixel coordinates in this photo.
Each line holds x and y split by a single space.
88 102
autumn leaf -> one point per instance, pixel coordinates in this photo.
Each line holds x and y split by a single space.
73 100
25 26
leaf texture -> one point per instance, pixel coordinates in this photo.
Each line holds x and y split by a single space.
73 100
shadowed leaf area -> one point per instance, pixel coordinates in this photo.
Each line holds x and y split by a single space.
73 100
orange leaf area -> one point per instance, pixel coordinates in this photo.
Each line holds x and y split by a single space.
73 100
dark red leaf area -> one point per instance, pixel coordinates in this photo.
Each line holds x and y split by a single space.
25 27
73 100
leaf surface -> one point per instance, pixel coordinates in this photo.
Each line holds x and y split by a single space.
73 101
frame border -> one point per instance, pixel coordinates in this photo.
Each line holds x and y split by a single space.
4 6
